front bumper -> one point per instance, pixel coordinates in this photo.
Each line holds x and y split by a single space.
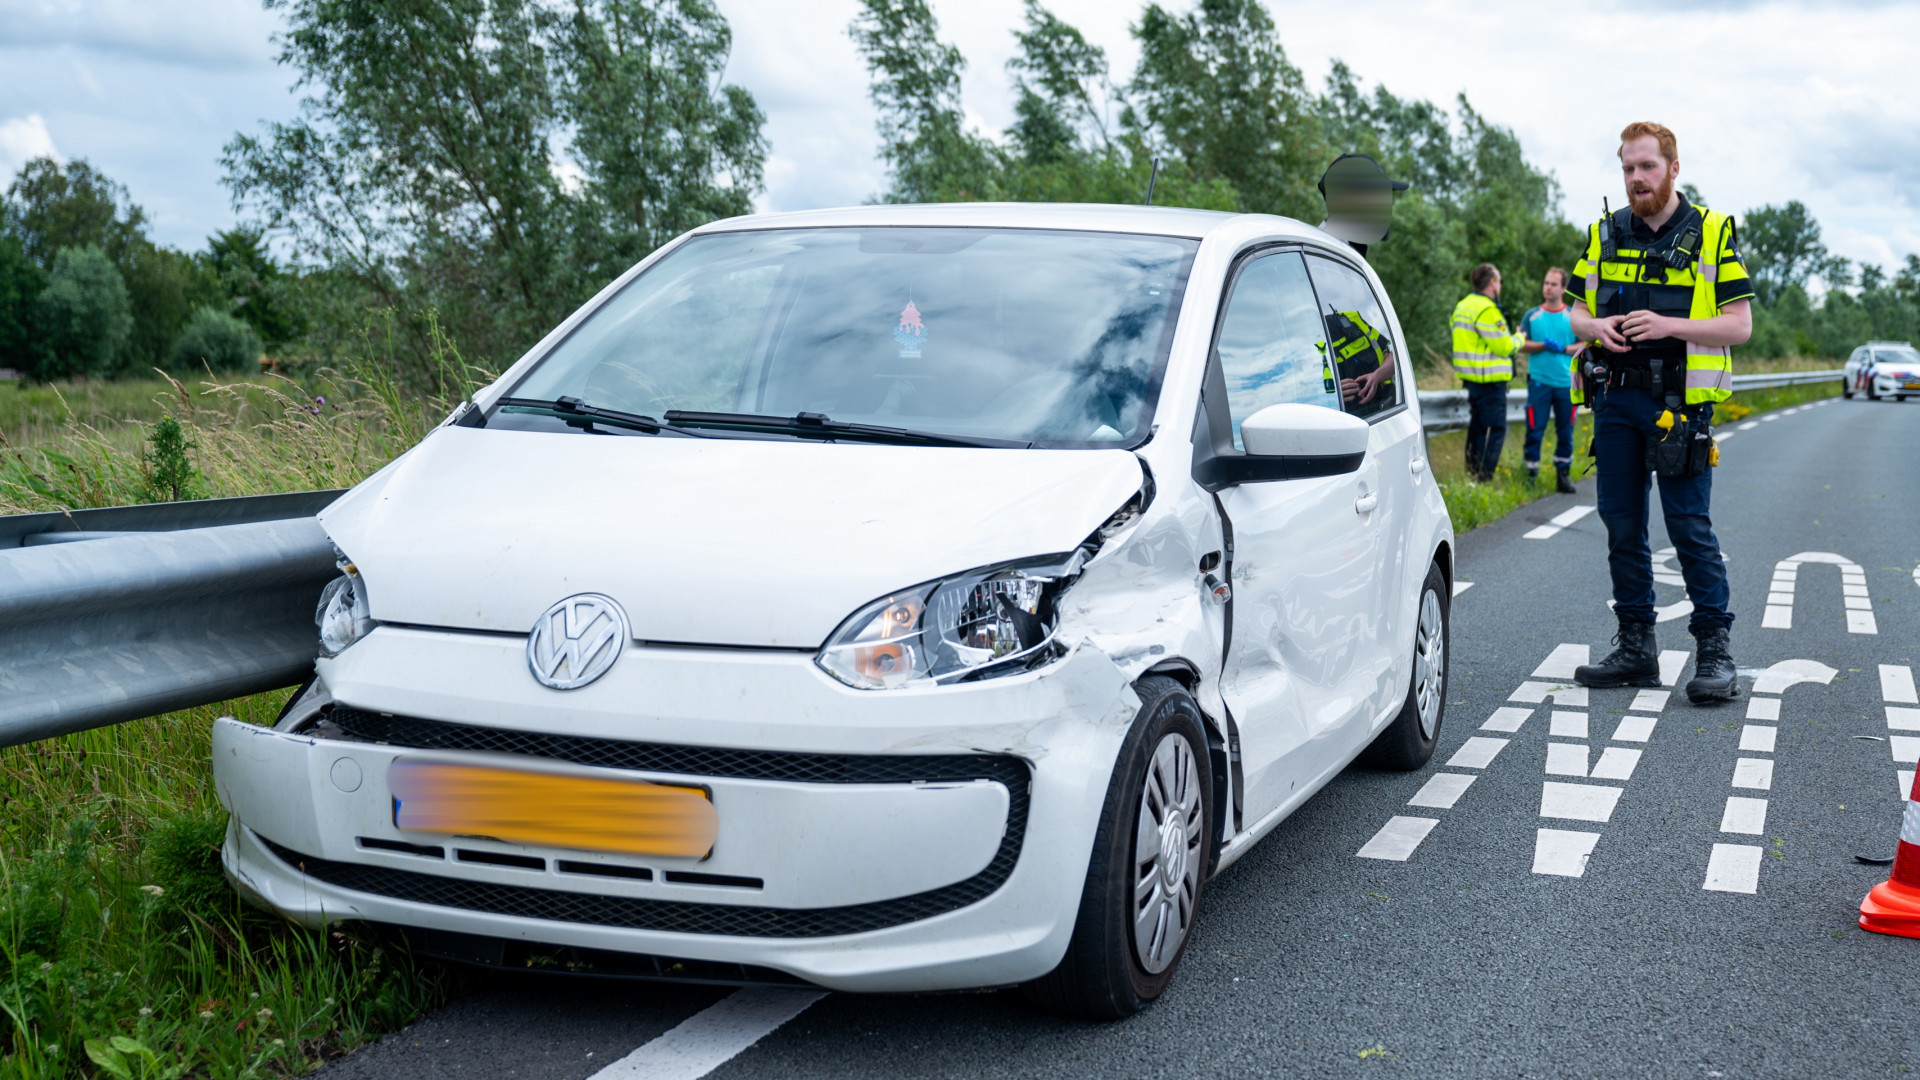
873 886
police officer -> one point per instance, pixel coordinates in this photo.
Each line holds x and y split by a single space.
1363 361
1483 358
1663 292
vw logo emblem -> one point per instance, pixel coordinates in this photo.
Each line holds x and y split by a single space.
576 641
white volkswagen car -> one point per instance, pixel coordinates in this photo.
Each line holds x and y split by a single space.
1882 369
886 599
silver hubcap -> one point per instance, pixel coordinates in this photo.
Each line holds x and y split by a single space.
1166 854
1429 664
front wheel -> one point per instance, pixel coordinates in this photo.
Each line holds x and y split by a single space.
1407 742
1150 857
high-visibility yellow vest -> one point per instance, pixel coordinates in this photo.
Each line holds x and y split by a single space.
1715 273
1482 347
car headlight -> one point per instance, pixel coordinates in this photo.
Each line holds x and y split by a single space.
343 615
987 622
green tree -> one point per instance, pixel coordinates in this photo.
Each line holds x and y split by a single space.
662 148
216 341
1782 248
1215 86
255 287
20 285
83 317
916 88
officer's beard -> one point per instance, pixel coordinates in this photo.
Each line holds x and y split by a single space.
1648 203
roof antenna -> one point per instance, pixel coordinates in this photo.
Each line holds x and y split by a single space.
1150 178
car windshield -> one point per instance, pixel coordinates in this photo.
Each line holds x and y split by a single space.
1030 336
1896 356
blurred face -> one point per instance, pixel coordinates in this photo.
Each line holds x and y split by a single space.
1552 289
1649 176
1493 287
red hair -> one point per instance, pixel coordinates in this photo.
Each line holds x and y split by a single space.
1640 129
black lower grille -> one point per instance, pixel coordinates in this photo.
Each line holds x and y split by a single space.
674 916
413 731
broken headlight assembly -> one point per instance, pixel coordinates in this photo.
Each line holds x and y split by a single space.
343 614
980 624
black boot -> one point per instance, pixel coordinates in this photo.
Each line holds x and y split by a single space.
1635 663
1533 472
1565 486
1714 676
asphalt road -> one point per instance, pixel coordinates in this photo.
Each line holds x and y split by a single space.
1477 955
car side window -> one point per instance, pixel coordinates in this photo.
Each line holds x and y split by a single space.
1272 344
1358 339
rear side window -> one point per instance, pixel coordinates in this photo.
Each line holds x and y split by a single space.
1357 339
1273 346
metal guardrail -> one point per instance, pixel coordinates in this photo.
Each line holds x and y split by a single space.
1446 410
117 613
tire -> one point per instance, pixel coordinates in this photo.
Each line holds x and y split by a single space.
1116 965
1846 389
1407 742
1871 395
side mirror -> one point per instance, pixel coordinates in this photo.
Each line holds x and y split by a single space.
1304 431
1285 442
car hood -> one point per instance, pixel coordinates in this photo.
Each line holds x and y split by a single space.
744 542
1896 371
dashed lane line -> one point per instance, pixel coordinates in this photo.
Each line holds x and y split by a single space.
1398 838
1672 663
1735 868
1562 852
1461 586
1442 790
713 1036
1896 684
1558 522
1579 802
1561 662
1477 753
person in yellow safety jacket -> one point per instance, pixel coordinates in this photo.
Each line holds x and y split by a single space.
1483 352
1363 361
1661 290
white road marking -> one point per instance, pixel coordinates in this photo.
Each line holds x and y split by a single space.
1562 853
1899 719
1650 700
1476 753
1616 763
1748 426
1560 663
1906 784
1906 748
1442 790
1853 583
1753 772
1569 725
1758 738
1747 816
1770 416
1634 729
1579 802
1461 586
1672 663
1778 677
1567 759
1559 522
1733 868
713 1036
1896 684
1562 694
1672 611
1763 708
1723 436
1397 838
1506 718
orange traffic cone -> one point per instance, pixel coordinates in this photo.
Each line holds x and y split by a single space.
1894 906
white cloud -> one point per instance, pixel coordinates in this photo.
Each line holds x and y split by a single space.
222 33
22 140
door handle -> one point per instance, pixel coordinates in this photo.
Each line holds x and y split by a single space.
1365 503
1418 465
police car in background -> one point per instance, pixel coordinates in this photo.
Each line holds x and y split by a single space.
898 598
1881 369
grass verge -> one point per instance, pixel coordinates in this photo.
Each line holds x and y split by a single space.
1474 504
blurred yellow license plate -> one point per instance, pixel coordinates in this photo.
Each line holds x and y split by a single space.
588 813
1913 384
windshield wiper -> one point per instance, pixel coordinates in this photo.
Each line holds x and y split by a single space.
810 425
577 413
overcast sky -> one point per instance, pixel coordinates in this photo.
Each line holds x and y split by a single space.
1772 101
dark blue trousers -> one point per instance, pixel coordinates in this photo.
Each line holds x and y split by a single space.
1486 426
1550 403
1621 426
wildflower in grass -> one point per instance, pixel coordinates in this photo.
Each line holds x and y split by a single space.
265 1014
206 1014
153 890
146 1010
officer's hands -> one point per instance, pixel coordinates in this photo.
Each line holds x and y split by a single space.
1608 331
1647 326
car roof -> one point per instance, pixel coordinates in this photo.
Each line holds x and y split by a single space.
1090 217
